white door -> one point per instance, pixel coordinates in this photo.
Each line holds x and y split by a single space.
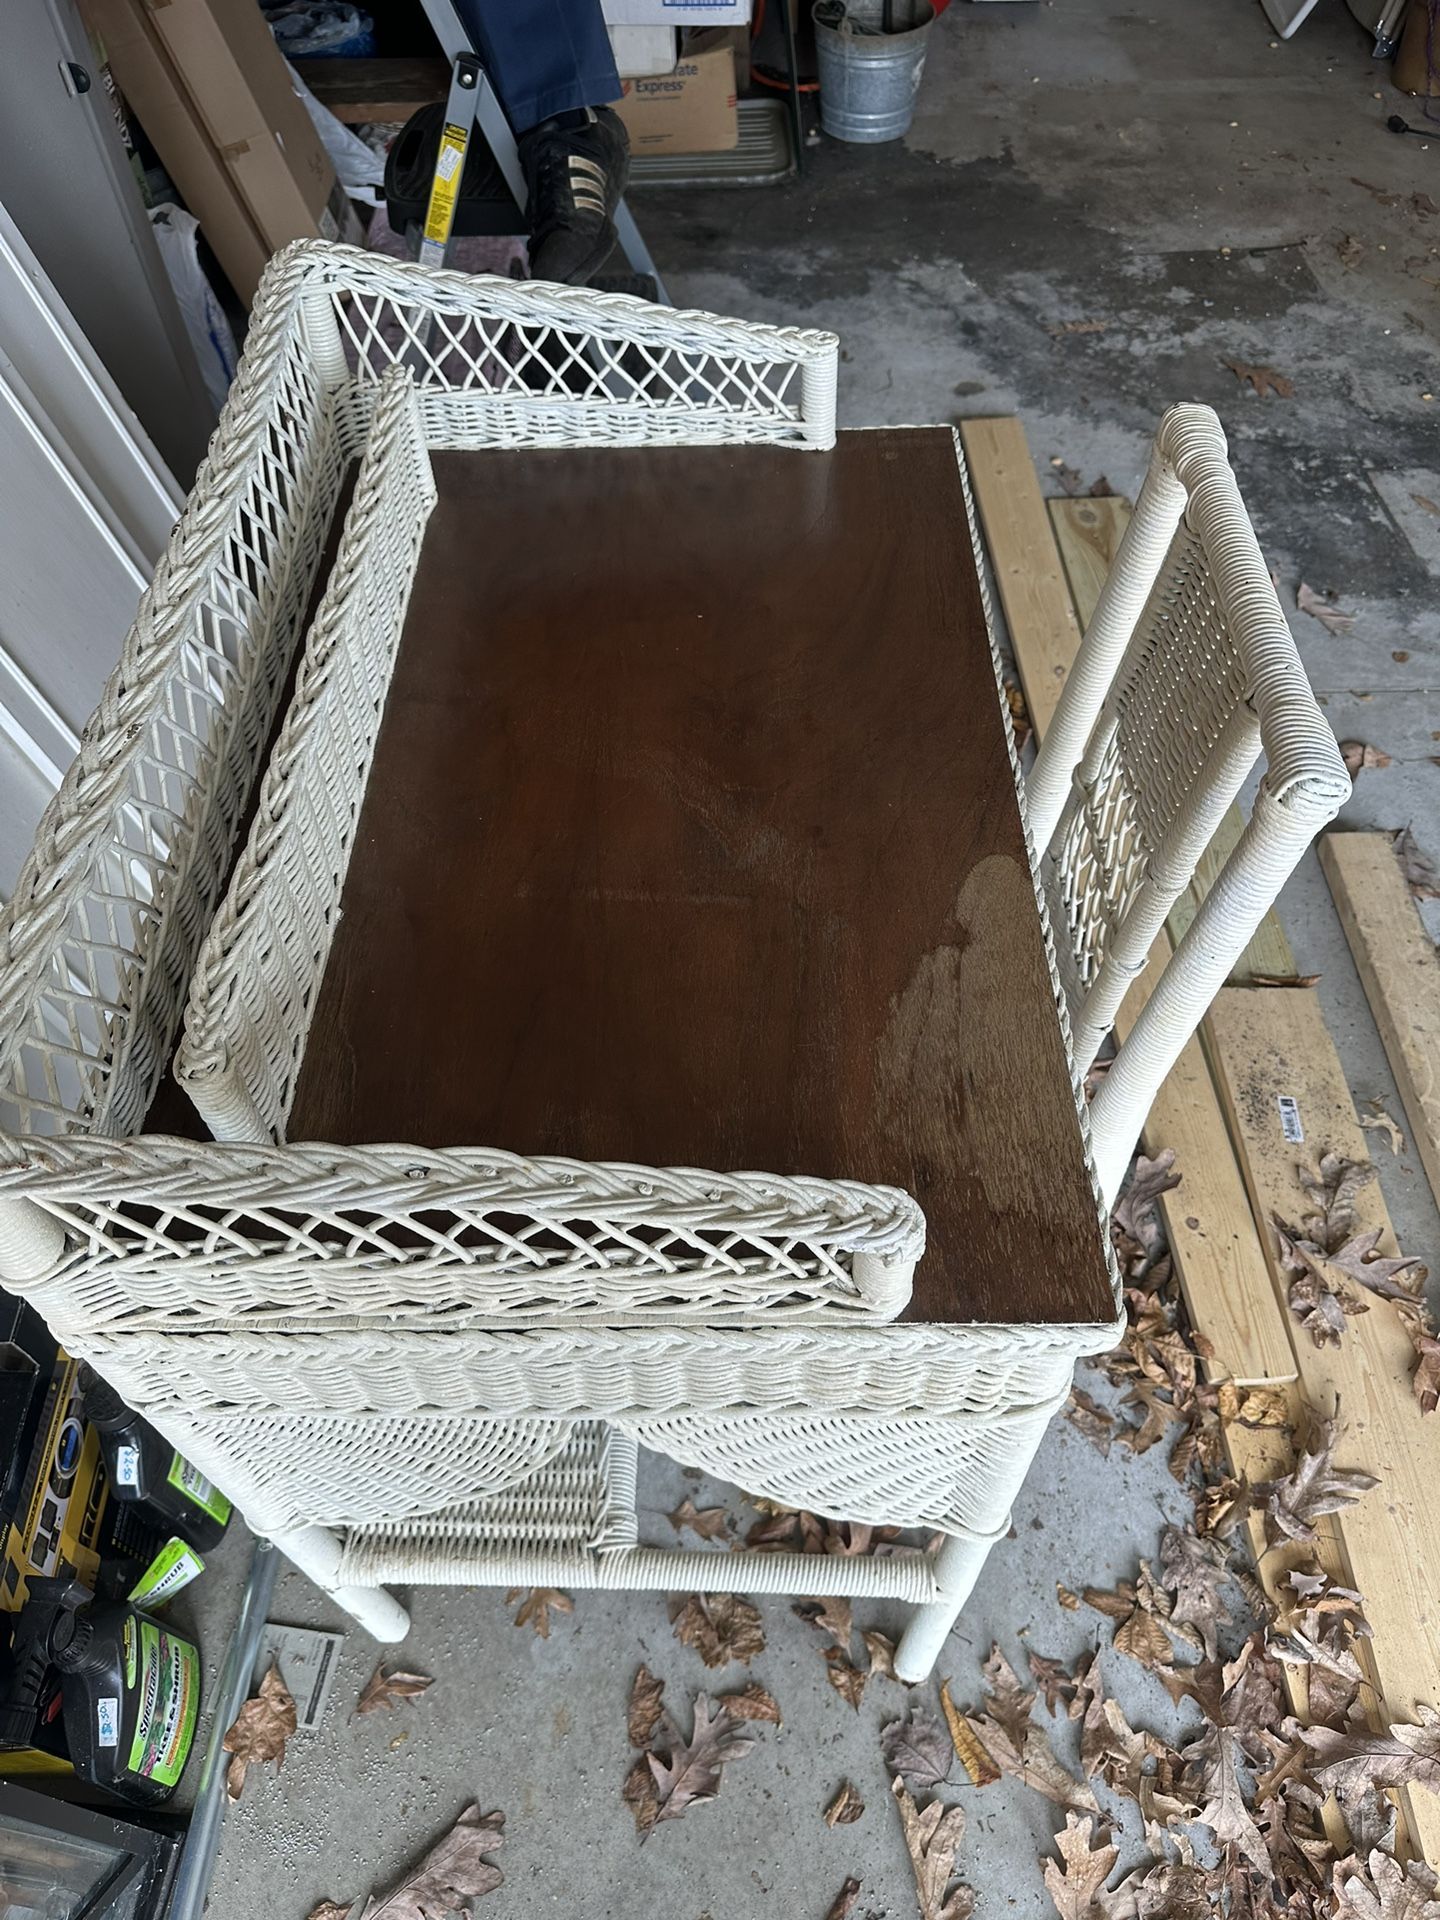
86 506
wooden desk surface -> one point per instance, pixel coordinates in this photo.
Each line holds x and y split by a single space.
691 839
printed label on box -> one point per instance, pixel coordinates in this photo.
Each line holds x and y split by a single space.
107 1721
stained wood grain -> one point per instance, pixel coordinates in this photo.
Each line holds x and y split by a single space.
1400 972
1265 1045
1028 576
665 862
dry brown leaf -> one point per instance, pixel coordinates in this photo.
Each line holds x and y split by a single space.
707 1522
1425 1381
752 1703
1191 1570
1070 1601
329 1910
932 1839
646 1707
1351 1764
1376 1120
384 1689
1316 1487
1076 1886
844 1900
452 1871
846 1808
689 1774
1264 380
1386 1891
1322 607
1054 1681
1421 875
1113 1750
845 1677
1217 1786
980 1768
641 1795
1358 754
261 1728
917 1749
1137 1633
721 1627
1086 1414
833 1616
537 1606
1016 1745
881 1651
1020 722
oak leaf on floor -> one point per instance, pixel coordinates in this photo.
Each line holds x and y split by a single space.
932 1839
384 1689
453 1871
260 1731
1078 1884
721 1627
537 1606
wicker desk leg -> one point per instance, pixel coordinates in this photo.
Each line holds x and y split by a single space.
316 1552
957 1568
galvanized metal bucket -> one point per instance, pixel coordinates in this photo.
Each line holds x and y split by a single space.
869 75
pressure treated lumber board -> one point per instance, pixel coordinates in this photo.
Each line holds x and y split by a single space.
1088 533
1265 1046
1023 559
1218 1253
1400 972
1219 1260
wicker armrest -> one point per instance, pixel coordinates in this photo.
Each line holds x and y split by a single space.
174 1234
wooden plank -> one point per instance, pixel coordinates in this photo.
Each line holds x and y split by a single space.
1218 1253
1400 972
1268 1045
1023 558
1088 533
659 868
378 89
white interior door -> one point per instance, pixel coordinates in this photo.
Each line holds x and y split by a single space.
86 506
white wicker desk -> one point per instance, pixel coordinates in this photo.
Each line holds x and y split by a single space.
234 1291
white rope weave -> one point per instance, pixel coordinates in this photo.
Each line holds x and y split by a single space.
1186 675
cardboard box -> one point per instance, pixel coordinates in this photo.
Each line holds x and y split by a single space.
234 74
642 51
154 93
676 13
691 110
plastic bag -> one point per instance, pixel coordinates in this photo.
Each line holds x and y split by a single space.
317 28
358 169
176 236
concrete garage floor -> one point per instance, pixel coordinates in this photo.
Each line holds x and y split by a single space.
1169 170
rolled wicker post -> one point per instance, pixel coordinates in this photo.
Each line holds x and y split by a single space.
32 1241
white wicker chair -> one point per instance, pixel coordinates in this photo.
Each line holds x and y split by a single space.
401 1363
1186 675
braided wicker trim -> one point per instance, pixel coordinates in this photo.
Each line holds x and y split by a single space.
175 1233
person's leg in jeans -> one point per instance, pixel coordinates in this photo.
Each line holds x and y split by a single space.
551 66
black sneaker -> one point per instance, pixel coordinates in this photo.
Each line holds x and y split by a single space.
575 174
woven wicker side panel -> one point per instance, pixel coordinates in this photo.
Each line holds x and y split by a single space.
101 933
